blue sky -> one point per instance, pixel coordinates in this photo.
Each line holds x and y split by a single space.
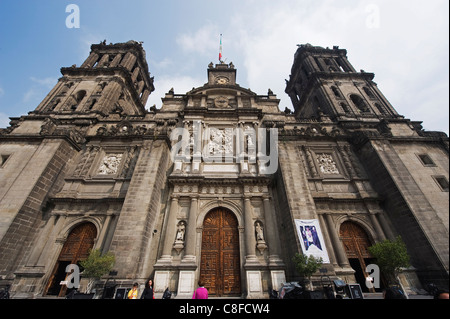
404 42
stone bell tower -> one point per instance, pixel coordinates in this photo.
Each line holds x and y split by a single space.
406 165
323 81
113 79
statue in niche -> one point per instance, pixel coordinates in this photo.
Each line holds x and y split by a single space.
179 239
260 242
250 132
259 232
181 229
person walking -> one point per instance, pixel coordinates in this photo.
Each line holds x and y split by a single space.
133 293
148 290
201 292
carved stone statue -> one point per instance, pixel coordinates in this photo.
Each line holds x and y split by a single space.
260 242
259 232
179 239
181 229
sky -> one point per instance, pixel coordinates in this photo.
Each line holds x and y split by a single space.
404 42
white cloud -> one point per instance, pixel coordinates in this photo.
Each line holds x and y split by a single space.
180 84
4 120
30 95
164 63
38 90
204 41
87 39
46 82
404 43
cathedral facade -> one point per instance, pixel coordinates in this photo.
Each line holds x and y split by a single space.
218 185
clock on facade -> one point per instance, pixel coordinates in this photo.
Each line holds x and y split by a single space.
222 80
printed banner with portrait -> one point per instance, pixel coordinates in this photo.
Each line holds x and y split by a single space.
311 239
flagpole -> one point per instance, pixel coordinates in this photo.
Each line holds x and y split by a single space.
220 49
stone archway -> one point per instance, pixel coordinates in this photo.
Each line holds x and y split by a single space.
220 256
76 248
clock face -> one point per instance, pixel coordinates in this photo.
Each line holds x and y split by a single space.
222 80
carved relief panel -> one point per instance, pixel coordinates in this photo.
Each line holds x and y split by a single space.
327 164
220 141
109 165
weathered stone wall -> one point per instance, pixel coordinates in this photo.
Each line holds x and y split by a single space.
31 188
409 210
141 207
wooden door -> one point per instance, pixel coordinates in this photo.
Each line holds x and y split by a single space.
76 248
220 262
356 243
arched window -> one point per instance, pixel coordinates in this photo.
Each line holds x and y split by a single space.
92 104
380 108
345 107
336 92
368 92
330 65
54 104
78 97
359 103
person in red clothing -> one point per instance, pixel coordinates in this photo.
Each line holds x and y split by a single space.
201 292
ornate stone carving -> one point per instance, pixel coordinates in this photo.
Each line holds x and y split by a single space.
221 102
327 164
228 146
216 141
309 160
220 141
48 127
110 164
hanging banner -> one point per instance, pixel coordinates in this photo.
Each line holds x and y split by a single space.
311 238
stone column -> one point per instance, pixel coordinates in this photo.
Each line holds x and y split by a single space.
250 241
191 232
253 271
328 242
44 257
115 61
90 61
337 245
171 228
186 277
271 232
145 96
101 238
384 224
135 73
128 61
140 87
109 96
376 225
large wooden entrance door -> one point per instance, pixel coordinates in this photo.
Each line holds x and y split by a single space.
76 248
220 262
356 243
